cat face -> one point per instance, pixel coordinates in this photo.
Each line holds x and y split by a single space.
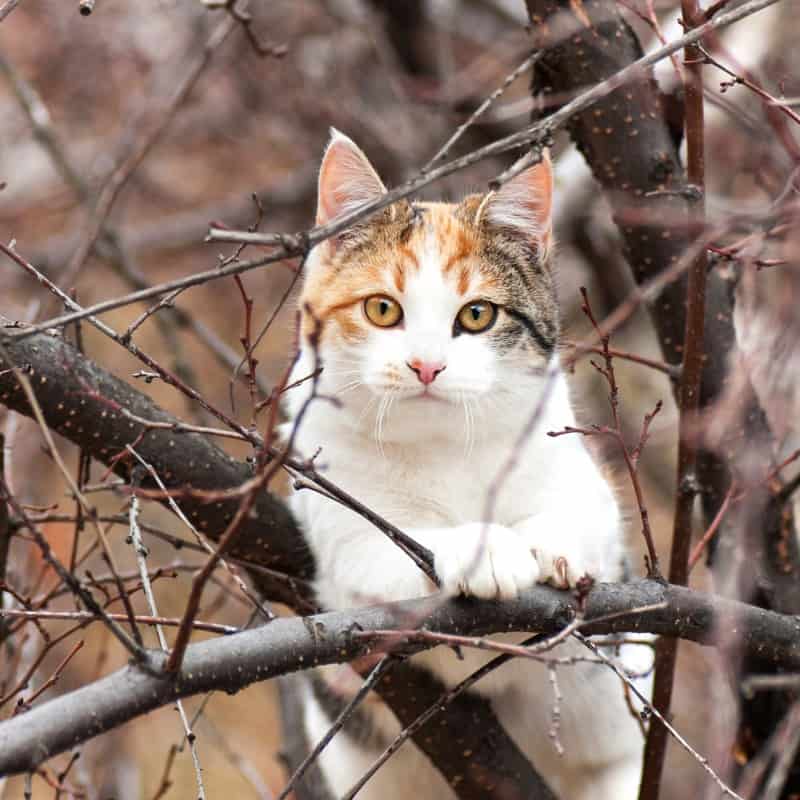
430 308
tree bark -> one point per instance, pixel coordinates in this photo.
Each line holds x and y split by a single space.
630 141
285 645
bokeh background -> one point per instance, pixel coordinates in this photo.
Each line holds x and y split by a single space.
80 95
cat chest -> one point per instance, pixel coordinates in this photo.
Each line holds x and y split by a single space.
437 494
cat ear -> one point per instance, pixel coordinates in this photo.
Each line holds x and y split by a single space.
524 204
346 179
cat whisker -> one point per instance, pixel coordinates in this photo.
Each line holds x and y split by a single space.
463 403
344 373
385 400
469 425
365 410
348 387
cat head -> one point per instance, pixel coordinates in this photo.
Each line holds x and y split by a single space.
428 308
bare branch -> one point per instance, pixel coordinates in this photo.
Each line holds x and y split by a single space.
288 644
289 245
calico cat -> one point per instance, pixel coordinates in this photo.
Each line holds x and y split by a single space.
438 335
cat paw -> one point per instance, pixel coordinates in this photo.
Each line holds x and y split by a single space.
488 561
561 569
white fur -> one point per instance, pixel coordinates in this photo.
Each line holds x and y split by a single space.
406 774
427 464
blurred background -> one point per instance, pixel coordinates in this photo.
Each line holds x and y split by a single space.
192 113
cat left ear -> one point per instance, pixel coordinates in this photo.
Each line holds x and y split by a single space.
524 204
346 179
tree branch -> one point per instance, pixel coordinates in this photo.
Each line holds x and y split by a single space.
289 644
84 403
688 405
297 244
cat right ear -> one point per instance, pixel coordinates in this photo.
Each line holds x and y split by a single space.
524 204
346 179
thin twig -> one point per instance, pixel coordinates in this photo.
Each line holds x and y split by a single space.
202 541
164 302
299 243
439 706
23 704
401 638
144 144
378 671
672 371
631 457
245 19
247 345
141 559
712 529
144 619
181 427
688 401
555 716
527 64
766 97
7 8
5 538
657 714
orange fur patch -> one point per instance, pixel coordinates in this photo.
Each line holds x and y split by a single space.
464 280
407 258
460 245
351 326
338 281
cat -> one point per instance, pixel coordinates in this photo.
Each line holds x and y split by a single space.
437 328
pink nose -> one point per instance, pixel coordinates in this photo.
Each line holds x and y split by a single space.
426 370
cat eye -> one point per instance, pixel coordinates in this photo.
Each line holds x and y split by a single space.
383 311
476 316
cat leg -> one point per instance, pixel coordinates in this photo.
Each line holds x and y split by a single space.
488 561
408 773
575 539
618 781
481 560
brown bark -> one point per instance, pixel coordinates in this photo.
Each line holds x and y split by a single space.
288 644
628 140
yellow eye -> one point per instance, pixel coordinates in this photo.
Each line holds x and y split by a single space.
383 311
476 316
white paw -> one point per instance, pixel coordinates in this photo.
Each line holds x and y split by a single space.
562 568
488 561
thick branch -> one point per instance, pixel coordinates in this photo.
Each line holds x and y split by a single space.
624 139
631 145
83 402
289 644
